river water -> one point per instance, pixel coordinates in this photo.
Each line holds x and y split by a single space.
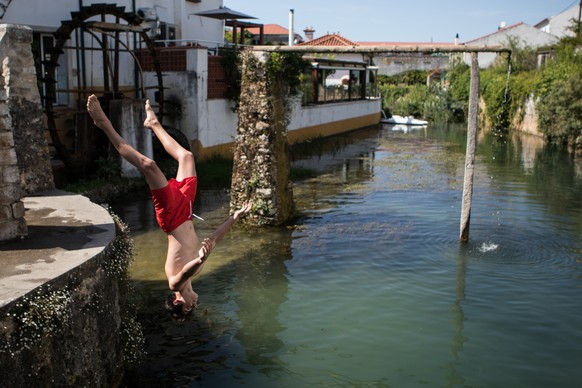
371 287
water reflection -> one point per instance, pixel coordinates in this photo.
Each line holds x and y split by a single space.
454 377
261 286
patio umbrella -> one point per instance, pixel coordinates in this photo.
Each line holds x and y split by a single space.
224 13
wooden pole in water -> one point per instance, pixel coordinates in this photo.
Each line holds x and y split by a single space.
470 153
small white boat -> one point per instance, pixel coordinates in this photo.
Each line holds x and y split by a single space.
406 128
408 120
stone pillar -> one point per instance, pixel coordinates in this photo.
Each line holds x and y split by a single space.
261 157
25 109
12 223
127 116
24 157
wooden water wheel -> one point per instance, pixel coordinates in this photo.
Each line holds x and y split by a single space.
100 37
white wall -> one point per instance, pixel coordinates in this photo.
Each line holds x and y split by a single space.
212 122
51 12
558 24
205 30
524 33
221 125
312 115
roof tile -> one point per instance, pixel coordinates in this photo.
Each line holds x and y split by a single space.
330 40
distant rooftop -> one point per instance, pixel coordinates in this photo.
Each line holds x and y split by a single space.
270 29
339 40
497 31
329 40
406 43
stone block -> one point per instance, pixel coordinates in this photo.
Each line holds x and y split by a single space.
18 209
10 193
5 212
4 109
21 228
9 230
7 156
6 140
17 33
10 174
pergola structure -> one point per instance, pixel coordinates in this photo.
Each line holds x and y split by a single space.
236 24
428 50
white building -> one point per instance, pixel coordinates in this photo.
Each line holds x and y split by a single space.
560 25
89 47
524 34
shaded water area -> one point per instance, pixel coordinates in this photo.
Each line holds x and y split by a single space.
372 286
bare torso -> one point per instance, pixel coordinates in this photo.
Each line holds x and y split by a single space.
182 248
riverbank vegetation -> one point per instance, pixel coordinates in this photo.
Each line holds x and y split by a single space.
555 87
107 184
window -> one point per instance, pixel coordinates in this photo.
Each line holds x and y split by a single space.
335 81
41 48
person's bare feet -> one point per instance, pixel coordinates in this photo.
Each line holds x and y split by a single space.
151 118
96 112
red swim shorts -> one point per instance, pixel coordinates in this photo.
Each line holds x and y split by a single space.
173 203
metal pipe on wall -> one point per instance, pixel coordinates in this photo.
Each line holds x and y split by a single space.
291 22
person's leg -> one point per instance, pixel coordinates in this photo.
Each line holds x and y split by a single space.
147 166
186 164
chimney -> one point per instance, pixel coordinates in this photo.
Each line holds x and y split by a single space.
309 31
291 32
456 39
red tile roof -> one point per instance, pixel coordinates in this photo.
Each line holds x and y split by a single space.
329 40
269 29
406 43
338 40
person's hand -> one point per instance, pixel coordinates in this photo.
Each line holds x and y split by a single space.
207 247
203 252
243 210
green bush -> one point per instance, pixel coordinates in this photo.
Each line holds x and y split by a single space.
559 92
459 79
495 93
560 111
407 94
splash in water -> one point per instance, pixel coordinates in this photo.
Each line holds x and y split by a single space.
488 247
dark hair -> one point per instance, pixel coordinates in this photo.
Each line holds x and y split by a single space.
175 310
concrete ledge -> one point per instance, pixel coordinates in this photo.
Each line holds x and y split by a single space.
64 231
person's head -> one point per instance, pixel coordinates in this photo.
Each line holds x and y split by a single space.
176 308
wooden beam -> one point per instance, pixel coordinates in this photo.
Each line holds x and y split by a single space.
423 49
112 27
470 153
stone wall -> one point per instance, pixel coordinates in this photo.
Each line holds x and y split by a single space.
526 118
76 330
24 157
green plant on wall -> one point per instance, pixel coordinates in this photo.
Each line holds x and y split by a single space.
42 314
558 92
231 64
560 115
287 68
496 96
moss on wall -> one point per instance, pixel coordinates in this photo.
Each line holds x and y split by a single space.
261 157
76 330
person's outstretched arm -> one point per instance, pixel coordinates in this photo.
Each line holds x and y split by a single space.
211 241
194 266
